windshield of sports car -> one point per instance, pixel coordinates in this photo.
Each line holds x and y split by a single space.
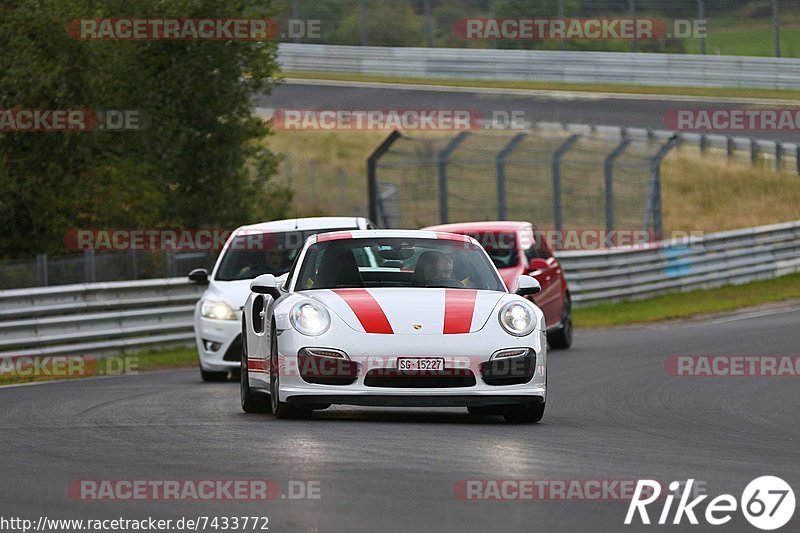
397 262
251 254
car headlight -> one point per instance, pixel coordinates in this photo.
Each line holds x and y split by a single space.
217 310
518 319
310 319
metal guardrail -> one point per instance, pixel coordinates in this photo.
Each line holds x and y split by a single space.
717 259
108 317
96 317
670 70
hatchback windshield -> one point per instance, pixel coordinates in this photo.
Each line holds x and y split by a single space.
501 247
251 254
397 262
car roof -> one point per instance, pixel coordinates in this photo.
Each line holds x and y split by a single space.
305 224
390 233
497 225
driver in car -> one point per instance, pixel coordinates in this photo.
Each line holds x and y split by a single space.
437 269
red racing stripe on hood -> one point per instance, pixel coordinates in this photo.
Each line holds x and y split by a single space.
459 306
367 310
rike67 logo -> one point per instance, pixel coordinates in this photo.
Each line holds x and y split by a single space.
767 503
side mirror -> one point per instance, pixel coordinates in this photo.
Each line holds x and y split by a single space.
538 264
199 276
527 285
266 284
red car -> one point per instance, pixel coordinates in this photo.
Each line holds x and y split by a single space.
518 248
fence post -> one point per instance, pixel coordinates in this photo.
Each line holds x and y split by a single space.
342 186
632 11
372 179
797 157
753 151
134 264
89 273
778 155
609 175
296 14
703 143
730 146
701 15
41 264
443 158
312 177
556 174
654 214
501 173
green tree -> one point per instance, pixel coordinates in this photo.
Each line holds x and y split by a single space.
199 161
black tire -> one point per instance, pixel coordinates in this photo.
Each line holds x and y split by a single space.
525 413
561 338
213 377
281 409
252 402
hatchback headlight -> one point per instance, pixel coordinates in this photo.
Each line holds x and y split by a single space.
217 310
310 319
517 319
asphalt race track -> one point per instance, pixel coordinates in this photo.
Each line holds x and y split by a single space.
613 413
584 108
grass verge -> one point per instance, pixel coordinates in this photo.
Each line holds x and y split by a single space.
770 94
129 363
689 304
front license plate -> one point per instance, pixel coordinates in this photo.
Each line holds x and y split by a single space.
420 363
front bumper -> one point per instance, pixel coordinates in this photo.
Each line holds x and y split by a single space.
371 377
409 400
225 336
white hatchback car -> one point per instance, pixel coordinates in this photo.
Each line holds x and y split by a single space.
266 248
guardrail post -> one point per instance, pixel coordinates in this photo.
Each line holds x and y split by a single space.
797 157
556 174
609 175
778 155
500 162
753 151
653 216
443 158
372 165
730 146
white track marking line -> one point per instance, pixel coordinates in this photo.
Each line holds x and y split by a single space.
585 95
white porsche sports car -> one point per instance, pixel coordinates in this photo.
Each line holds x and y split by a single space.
393 318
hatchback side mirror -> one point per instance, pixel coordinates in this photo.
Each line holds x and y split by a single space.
199 276
527 285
